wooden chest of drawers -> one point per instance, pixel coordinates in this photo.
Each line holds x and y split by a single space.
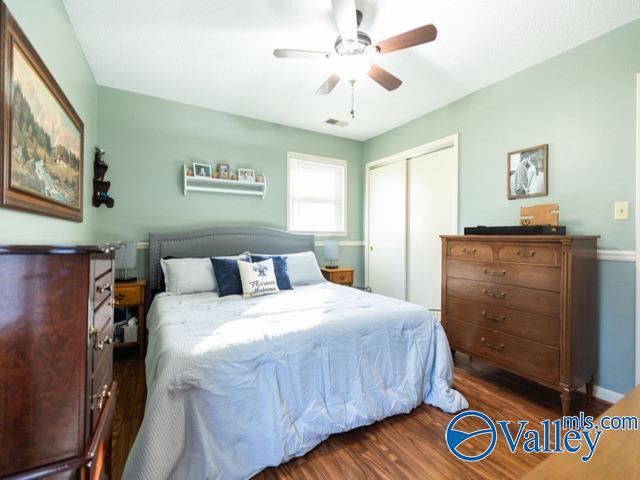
57 396
526 303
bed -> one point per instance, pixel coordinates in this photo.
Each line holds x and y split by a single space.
236 385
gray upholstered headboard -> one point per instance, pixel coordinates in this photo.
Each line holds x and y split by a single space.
220 241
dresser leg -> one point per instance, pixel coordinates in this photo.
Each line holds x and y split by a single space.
565 397
589 389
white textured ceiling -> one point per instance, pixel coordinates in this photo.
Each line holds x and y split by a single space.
218 53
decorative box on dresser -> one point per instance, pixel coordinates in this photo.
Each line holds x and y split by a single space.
526 303
57 397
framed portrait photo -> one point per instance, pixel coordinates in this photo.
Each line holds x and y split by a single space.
43 136
202 170
527 172
247 175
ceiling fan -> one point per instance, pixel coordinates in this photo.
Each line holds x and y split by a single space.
354 50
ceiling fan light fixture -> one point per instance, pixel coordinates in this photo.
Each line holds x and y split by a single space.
352 67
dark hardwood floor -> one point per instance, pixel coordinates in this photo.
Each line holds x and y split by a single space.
405 446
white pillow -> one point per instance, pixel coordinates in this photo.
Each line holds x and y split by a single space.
188 275
303 268
258 278
191 275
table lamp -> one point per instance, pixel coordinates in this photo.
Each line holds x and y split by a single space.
127 258
331 252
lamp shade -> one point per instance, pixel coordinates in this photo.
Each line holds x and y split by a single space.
331 250
127 255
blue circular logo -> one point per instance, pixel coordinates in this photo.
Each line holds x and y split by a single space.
455 438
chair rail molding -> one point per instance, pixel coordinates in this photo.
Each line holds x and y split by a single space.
617 255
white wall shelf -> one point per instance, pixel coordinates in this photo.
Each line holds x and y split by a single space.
217 185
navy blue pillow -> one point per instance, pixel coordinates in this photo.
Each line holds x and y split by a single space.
227 276
280 268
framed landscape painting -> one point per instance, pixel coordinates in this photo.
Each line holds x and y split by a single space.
43 136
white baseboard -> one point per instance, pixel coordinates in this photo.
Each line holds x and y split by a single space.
604 394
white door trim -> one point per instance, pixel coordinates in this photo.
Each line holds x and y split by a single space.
637 229
434 146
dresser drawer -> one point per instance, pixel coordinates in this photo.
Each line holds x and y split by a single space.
103 316
343 278
102 350
532 276
526 299
101 404
470 250
100 446
102 377
127 296
100 267
515 322
530 253
517 354
102 289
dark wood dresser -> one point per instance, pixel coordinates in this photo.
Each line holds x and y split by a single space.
57 397
527 304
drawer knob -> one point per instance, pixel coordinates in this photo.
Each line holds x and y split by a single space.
492 273
104 288
106 340
101 397
494 295
492 345
469 251
528 254
501 318
93 334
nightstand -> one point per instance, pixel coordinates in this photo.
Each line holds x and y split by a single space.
131 295
341 276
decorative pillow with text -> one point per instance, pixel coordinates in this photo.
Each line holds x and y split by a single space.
258 278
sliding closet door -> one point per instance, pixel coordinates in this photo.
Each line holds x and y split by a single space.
387 225
432 211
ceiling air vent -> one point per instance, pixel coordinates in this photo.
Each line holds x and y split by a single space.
336 122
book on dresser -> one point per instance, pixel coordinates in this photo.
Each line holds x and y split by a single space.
57 396
526 304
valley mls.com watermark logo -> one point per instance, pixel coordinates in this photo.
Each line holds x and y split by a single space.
472 436
456 438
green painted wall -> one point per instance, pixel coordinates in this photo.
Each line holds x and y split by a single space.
583 104
149 139
47 26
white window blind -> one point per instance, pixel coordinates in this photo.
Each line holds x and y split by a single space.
317 194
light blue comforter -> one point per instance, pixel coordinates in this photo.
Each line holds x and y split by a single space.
235 386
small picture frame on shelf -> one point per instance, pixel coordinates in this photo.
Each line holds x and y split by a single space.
202 170
247 175
223 171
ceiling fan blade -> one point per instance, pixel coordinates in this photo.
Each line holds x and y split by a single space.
328 85
417 36
344 12
292 53
384 78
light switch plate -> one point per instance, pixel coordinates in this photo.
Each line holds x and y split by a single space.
621 211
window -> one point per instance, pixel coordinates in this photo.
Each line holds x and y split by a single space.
316 195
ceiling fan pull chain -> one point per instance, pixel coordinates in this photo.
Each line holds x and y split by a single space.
353 108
